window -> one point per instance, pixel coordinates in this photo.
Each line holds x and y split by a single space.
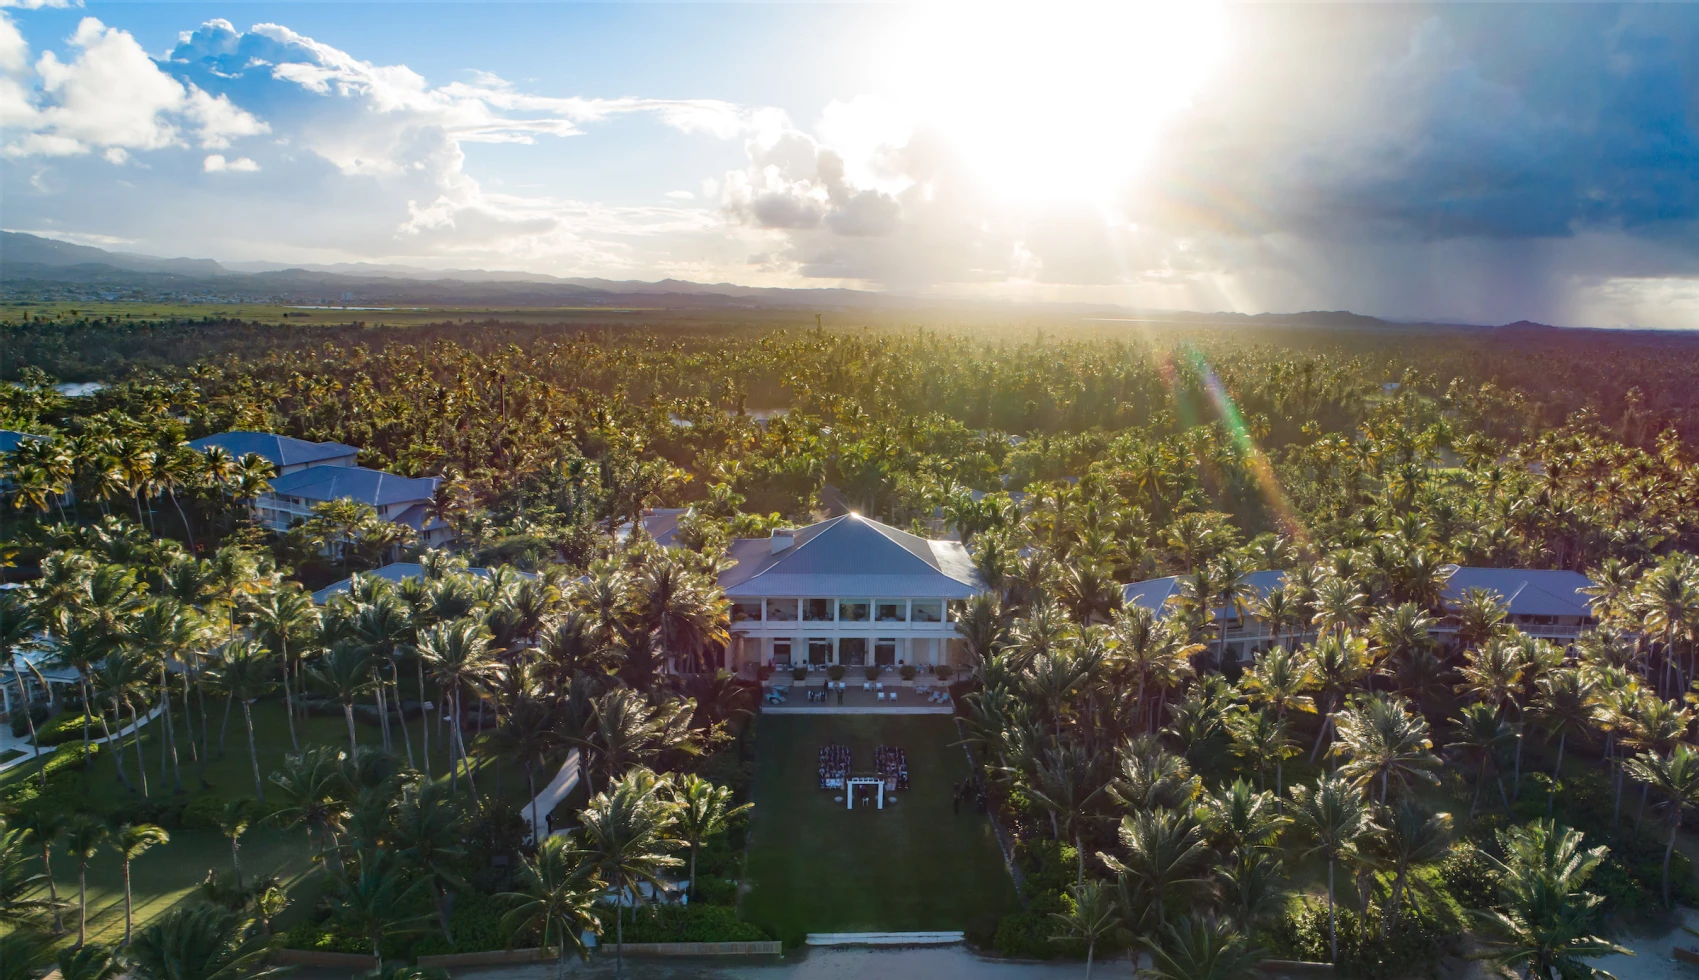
819 650
890 611
746 611
781 651
781 610
817 610
927 611
852 651
885 652
852 610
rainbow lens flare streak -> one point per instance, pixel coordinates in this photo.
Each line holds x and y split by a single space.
1255 459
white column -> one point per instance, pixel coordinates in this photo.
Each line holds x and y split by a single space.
881 794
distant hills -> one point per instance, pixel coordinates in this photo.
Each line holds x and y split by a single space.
33 268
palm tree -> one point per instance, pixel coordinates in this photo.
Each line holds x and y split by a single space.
626 836
314 790
20 903
1411 837
285 621
628 730
702 810
199 942
169 630
95 961
23 954
1482 737
1258 737
345 672
1165 856
427 832
244 673
1337 818
1091 917
1384 740
131 842
1564 705
526 730
84 836
233 822
1068 781
1338 662
1676 778
378 902
1202 948
556 899
19 625
1542 925
459 658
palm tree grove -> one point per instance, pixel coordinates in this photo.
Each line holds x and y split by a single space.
1178 648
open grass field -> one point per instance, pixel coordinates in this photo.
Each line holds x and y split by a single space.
169 874
916 865
272 313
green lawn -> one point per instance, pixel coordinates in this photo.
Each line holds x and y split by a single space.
168 874
817 867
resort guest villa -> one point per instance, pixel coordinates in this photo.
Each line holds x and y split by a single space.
1544 603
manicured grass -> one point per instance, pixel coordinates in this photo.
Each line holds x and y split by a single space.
916 865
170 873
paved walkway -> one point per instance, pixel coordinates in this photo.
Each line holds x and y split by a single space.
7 741
832 963
558 789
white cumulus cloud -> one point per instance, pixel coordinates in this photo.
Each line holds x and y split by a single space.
216 163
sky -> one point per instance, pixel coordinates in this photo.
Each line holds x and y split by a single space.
1475 162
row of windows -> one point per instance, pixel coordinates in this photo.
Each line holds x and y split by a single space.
852 651
842 610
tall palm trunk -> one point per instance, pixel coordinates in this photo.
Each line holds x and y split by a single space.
1551 797
168 752
52 887
253 752
1332 921
82 686
288 696
82 902
23 697
106 732
185 517
129 903
348 716
1669 849
424 718
136 742
400 713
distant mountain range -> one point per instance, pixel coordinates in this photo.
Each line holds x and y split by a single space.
40 269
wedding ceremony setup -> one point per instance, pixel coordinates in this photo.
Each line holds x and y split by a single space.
889 774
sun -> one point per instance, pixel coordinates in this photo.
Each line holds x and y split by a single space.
1056 101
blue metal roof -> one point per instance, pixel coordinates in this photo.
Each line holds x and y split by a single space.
281 450
373 487
10 440
852 556
1528 591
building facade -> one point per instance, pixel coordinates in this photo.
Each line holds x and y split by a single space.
848 591
1544 603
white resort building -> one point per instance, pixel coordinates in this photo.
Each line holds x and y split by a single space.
313 473
1544 603
848 591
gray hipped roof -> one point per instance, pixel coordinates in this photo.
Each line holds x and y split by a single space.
280 450
852 556
1527 591
373 487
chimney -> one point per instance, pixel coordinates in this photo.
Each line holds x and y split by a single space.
783 537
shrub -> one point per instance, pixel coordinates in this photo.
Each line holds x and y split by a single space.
835 672
944 671
1469 876
908 672
68 727
1428 928
1027 933
715 891
799 673
871 672
204 812
692 923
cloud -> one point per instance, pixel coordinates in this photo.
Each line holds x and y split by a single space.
112 95
216 163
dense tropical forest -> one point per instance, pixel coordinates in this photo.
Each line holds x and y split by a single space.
1360 793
